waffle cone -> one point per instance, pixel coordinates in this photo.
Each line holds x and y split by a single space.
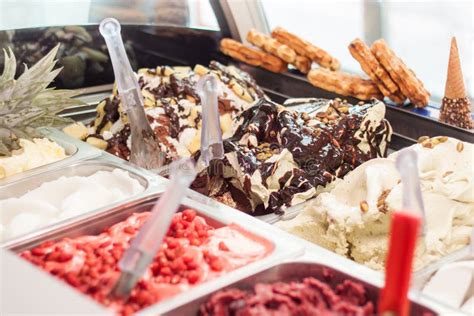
455 81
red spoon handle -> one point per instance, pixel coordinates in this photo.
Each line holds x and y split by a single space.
398 269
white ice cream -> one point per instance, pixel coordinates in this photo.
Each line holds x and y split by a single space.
64 198
353 219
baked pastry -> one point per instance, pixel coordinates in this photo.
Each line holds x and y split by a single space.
374 69
344 84
405 78
251 56
282 51
456 106
305 48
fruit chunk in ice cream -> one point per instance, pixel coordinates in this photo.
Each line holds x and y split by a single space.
279 157
64 198
173 108
32 154
305 298
192 252
353 219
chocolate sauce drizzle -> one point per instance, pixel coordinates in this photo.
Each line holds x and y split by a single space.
322 153
178 87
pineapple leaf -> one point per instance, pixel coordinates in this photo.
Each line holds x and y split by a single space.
27 103
6 91
4 151
10 66
51 121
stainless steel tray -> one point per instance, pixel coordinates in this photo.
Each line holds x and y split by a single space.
297 270
419 277
285 246
151 183
75 149
289 213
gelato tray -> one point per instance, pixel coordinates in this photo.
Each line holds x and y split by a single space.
224 246
38 203
285 287
353 219
450 281
56 149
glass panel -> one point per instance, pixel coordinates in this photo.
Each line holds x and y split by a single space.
33 27
16 14
330 25
419 32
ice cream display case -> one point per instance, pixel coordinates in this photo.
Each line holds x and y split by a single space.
295 214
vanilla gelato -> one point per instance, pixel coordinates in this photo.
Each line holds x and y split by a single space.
33 153
64 198
353 218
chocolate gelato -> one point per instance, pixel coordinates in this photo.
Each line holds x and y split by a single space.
279 157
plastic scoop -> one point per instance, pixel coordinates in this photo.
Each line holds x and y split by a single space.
407 166
398 268
404 231
145 149
471 245
211 133
145 245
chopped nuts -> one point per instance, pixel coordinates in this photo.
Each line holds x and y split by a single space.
427 144
381 203
421 139
305 116
442 139
364 206
447 173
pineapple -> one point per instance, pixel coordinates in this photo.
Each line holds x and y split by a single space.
27 103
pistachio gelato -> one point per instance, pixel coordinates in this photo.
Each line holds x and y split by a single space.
353 218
